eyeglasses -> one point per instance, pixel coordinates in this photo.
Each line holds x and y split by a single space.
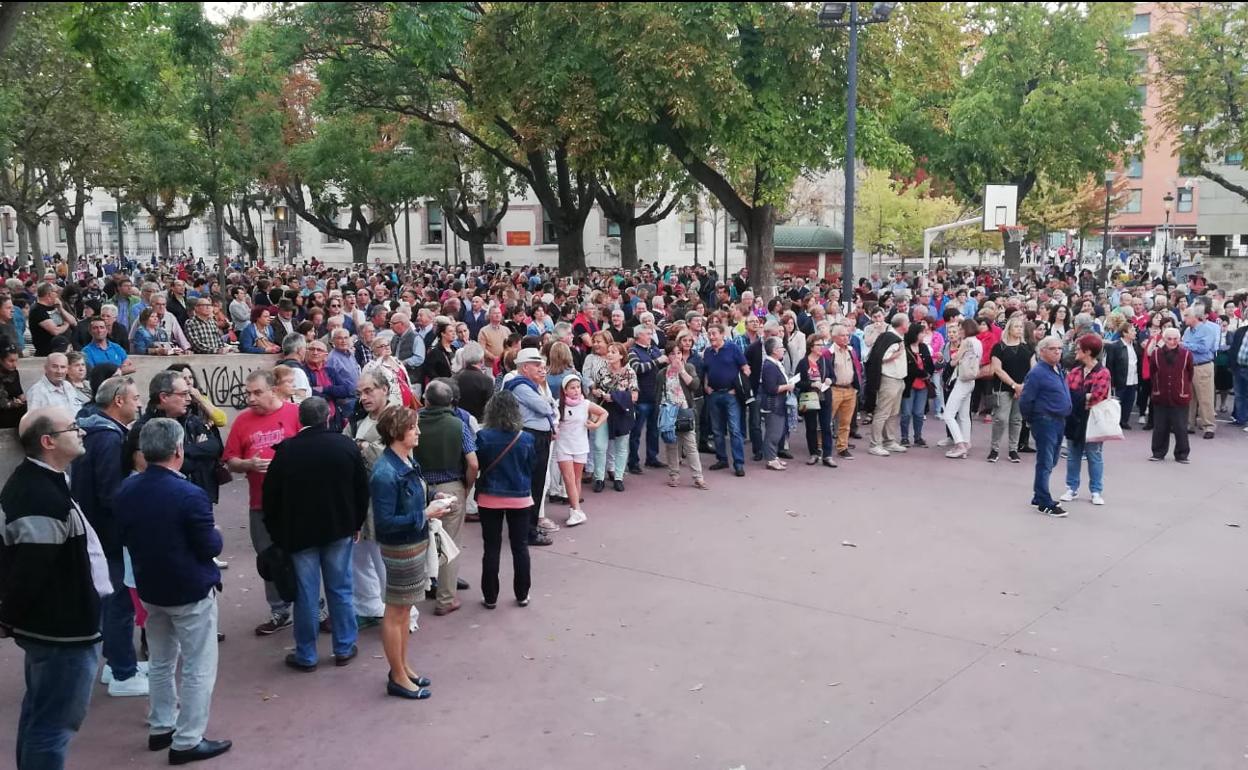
185 393
73 428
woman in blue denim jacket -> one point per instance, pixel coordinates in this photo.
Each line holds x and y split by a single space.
504 491
402 531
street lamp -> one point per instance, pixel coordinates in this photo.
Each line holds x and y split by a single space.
832 15
1109 185
1165 255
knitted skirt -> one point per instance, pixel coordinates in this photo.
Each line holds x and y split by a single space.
406 572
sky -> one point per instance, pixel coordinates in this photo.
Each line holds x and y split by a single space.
221 11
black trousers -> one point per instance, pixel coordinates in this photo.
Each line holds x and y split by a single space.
1167 421
541 460
492 539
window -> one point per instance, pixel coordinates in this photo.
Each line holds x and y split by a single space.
1139 25
433 224
1135 202
1234 158
327 238
1185 200
734 230
487 214
1135 167
692 233
1141 60
6 222
381 236
613 229
61 235
549 235
1141 96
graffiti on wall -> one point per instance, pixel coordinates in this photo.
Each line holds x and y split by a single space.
225 384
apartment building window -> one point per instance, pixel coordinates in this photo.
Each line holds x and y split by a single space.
433 224
1141 60
487 214
734 230
692 232
381 236
1185 200
1140 25
613 229
1141 96
1234 158
1135 168
1135 201
549 235
6 225
62 236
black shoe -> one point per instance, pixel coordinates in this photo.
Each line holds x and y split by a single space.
160 741
635 469
462 585
993 456
905 442
828 461
1014 458
1055 510
654 464
1148 425
719 466
205 750
556 498
1191 431
599 485
489 604
739 472
1208 434
920 443
293 662
854 434
1182 461
706 449
541 538
343 660
522 602
845 454
618 485
784 454
1026 450
220 638
403 692
1156 459
1127 426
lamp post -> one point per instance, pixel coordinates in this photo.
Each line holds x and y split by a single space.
1165 250
1109 184
833 15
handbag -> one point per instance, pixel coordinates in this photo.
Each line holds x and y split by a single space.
1104 422
686 420
275 565
809 401
968 368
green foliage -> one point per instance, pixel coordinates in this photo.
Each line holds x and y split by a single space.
1201 49
1050 90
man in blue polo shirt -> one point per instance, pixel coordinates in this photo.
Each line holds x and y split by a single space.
722 364
1202 338
1045 403
102 350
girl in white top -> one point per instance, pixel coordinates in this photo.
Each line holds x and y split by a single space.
966 359
577 415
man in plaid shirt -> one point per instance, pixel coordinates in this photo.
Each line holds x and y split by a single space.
201 330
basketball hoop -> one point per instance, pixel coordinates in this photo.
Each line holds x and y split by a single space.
1013 233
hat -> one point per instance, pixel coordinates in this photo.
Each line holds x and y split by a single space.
285 304
529 356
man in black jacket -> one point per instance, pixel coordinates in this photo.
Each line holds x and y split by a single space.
52 577
1237 351
169 395
1124 359
315 501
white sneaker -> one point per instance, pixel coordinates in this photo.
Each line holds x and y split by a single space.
1068 495
1143 420
895 447
576 517
946 441
1097 499
106 676
132 687
878 451
221 563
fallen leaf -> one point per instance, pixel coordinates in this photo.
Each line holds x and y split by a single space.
529 657
1008 593
848 544
792 513
589 735
1232 524
834 684
696 687
600 700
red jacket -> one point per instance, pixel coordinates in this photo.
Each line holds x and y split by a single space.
1171 373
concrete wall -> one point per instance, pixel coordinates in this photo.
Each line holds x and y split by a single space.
221 378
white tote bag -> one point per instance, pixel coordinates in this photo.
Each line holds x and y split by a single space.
1105 422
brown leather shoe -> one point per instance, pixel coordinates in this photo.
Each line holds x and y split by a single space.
448 609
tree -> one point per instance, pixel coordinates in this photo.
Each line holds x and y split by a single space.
658 192
1081 208
1200 53
474 189
10 16
747 96
1051 91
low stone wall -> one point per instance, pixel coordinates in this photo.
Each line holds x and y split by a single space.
1230 273
221 378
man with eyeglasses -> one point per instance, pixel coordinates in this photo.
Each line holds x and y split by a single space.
54 579
169 396
95 478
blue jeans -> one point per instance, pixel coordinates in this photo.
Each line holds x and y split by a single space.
726 414
1047 432
58 690
333 563
1126 400
1076 451
647 418
117 623
912 408
1240 411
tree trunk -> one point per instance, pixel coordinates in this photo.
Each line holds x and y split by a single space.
572 250
222 260
23 248
36 250
760 250
71 248
1011 254
359 249
628 245
162 238
476 252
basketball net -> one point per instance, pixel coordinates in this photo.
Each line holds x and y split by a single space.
1013 233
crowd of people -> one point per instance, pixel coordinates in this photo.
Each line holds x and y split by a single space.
392 406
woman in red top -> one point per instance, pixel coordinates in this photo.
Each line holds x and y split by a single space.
1089 385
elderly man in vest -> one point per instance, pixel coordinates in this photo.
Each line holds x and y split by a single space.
540 415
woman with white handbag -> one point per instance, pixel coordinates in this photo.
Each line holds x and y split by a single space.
1089 385
968 355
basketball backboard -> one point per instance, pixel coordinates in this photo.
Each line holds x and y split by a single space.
1000 206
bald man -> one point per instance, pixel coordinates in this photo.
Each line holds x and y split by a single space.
53 388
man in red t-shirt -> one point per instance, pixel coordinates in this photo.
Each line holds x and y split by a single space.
265 423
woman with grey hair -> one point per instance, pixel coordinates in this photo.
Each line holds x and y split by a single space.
775 388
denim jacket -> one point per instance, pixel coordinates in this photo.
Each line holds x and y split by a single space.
512 475
398 493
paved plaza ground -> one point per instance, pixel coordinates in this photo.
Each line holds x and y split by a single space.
739 628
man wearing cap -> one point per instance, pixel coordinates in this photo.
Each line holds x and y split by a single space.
285 319
539 415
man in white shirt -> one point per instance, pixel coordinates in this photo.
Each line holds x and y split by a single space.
53 389
892 363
